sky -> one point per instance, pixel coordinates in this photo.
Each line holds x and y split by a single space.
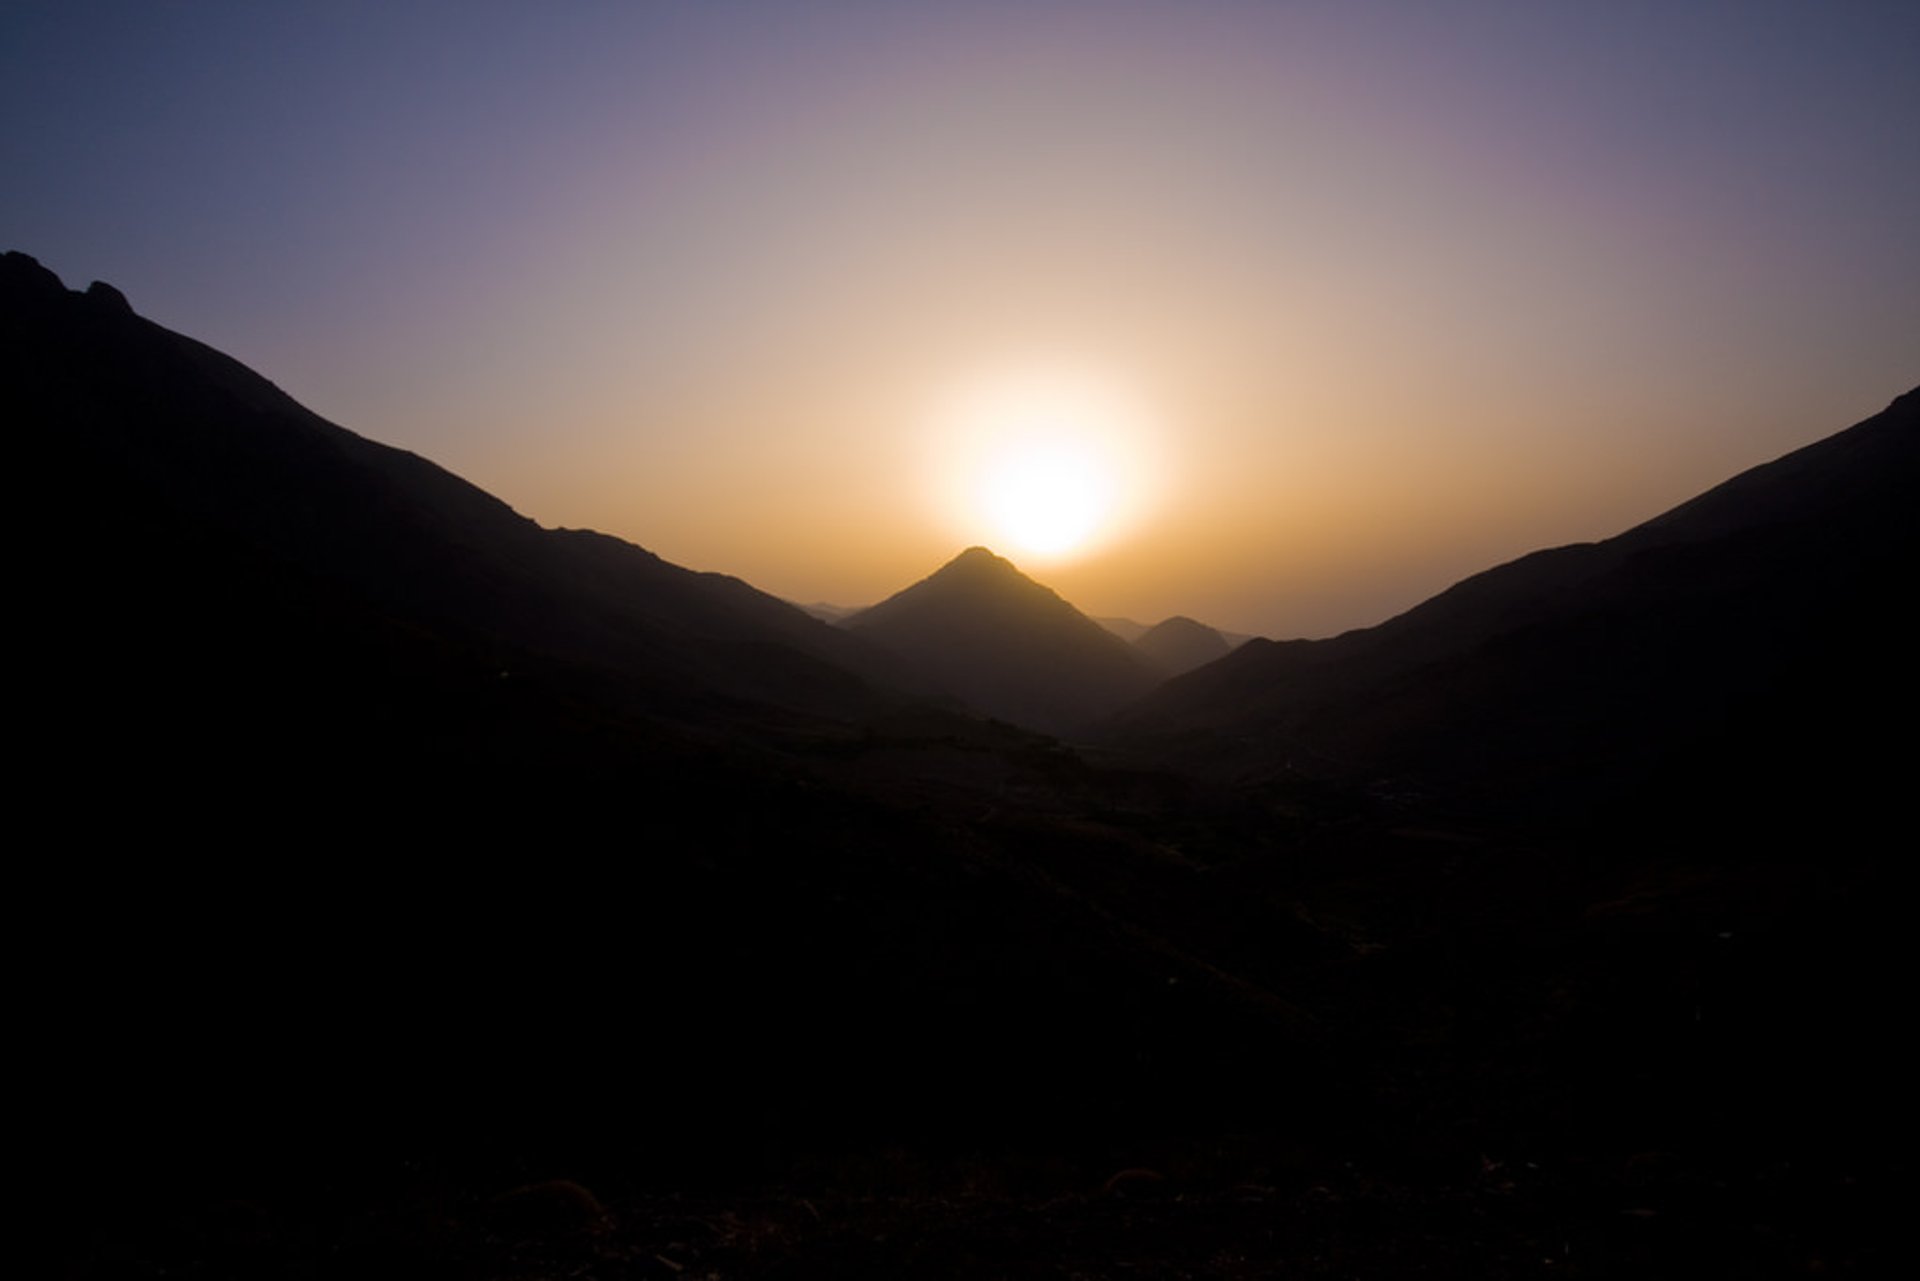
1282 316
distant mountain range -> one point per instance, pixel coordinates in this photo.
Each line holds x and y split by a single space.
242 540
221 505
1180 644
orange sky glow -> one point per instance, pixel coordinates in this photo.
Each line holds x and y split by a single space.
1354 299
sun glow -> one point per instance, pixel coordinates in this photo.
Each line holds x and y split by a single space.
1042 464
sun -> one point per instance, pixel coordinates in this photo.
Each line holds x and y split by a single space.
1044 464
1047 497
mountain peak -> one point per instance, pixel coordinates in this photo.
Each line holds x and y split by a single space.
23 274
978 560
1007 645
102 294
23 278
976 580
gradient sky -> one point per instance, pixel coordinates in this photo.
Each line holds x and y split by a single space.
1389 292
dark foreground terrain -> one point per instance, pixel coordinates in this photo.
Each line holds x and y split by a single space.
1068 1038
409 890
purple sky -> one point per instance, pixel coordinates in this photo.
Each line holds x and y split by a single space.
1400 291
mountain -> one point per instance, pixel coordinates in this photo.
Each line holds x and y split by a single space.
408 870
1179 645
410 827
1131 630
1736 643
1007 646
208 525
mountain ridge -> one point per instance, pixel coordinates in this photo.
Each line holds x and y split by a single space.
1620 663
200 475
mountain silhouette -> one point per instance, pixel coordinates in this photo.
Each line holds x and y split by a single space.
1726 645
399 852
482 838
1179 644
235 541
1007 646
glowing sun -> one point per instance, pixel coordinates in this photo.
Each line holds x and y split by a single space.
1042 464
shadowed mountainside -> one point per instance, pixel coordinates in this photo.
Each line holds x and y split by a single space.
208 491
1723 648
1007 646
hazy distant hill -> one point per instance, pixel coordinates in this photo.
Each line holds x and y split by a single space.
1740 641
1180 644
1127 629
1130 630
830 613
1008 646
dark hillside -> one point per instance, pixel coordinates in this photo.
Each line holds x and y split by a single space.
180 468
1729 648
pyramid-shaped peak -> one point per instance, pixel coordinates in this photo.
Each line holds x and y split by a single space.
981 567
978 560
1006 645
976 579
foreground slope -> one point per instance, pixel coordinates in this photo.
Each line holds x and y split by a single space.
1006 645
1741 640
